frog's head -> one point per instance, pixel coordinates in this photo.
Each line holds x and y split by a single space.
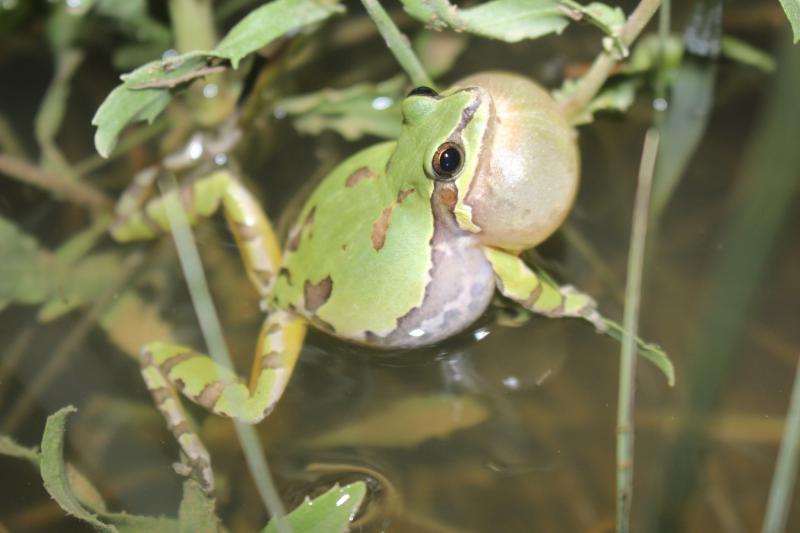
500 142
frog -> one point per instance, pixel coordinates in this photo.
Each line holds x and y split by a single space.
403 245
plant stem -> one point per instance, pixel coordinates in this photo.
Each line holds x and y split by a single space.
193 24
398 44
75 191
591 82
783 480
627 369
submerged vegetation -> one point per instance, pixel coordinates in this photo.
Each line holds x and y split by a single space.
287 88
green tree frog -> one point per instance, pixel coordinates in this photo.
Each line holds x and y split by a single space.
402 245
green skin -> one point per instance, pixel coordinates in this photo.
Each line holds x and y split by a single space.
387 252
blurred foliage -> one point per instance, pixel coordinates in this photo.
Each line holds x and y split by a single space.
250 61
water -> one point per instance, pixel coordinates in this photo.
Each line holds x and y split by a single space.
517 426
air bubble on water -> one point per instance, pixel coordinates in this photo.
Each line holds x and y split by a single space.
210 90
195 149
481 334
381 102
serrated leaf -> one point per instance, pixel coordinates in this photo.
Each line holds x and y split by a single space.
81 283
353 112
145 91
792 10
54 471
618 96
9 447
26 271
122 107
505 20
408 422
128 523
612 17
196 514
651 352
329 513
270 21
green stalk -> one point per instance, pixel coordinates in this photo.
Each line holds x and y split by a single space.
398 44
212 333
783 480
591 82
627 369
193 25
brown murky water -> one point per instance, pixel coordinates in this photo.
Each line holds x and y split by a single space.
502 429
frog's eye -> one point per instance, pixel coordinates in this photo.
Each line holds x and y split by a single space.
423 91
448 160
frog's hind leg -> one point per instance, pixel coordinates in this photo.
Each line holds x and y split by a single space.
168 367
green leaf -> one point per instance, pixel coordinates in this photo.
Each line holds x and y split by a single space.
82 283
745 53
54 471
683 127
617 96
122 107
651 352
196 514
505 20
408 422
329 513
270 21
792 10
10 448
363 109
26 272
146 91
128 523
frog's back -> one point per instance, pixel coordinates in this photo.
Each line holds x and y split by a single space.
382 262
358 256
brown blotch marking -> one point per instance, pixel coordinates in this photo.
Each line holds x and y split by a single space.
210 394
381 225
297 235
535 293
448 197
317 294
167 366
160 395
358 176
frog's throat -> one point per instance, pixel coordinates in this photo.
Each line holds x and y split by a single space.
459 283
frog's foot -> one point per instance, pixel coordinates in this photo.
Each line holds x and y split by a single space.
579 304
540 294
169 367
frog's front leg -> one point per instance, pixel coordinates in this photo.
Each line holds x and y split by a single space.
541 295
168 367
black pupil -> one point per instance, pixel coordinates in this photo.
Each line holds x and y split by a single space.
450 160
